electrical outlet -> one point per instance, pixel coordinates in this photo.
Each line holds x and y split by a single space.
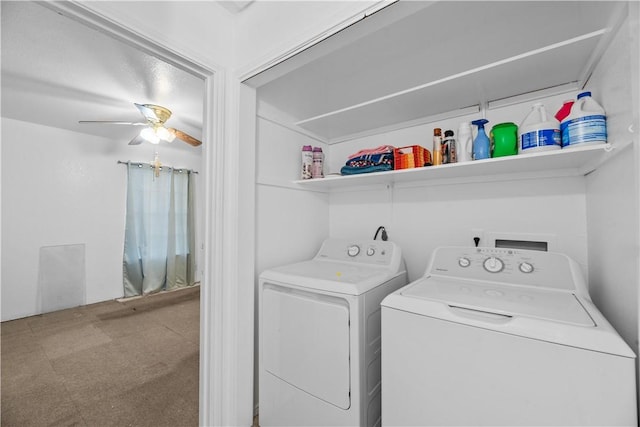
476 233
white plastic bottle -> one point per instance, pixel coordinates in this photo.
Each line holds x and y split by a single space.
465 142
586 124
539 131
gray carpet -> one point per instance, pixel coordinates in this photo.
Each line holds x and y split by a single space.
132 363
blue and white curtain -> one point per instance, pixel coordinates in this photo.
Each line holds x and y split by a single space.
159 247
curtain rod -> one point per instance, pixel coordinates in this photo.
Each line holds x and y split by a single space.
140 164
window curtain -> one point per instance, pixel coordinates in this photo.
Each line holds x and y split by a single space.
159 247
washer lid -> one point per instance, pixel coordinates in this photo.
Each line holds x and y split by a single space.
507 300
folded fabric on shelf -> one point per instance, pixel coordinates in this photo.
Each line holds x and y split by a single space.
348 170
378 150
368 163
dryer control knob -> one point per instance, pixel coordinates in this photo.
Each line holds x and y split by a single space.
464 262
353 250
371 251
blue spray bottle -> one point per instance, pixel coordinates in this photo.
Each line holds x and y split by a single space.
481 143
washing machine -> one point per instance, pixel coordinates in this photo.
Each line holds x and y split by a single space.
319 334
496 336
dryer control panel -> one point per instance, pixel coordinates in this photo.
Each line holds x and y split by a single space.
512 266
376 252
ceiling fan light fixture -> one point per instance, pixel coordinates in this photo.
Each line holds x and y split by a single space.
165 134
155 130
149 135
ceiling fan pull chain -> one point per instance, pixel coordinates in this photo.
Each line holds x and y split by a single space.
156 165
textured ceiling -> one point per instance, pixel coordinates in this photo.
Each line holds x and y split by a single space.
56 71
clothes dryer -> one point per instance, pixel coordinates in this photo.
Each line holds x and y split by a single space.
493 336
319 334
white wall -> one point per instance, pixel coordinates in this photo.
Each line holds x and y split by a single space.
612 191
201 31
60 188
420 219
293 221
613 252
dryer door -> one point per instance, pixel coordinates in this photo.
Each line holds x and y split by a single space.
305 342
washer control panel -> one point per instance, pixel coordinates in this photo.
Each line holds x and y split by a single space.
514 266
493 264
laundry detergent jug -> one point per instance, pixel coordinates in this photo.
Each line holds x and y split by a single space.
504 137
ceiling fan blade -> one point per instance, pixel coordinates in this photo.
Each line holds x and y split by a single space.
137 140
111 122
154 113
185 137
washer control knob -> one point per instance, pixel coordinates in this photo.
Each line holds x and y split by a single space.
493 264
464 262
353 250
371 251
525 267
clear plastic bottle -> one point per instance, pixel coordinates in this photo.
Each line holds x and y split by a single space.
586 124
318 163
307 162
437 146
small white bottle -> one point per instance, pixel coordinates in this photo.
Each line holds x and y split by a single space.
465 142
586 124
307 162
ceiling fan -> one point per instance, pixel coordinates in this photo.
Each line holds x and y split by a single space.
155 130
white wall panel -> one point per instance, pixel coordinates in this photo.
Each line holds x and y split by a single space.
613 193
422 218
612 219
279 151
290 223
